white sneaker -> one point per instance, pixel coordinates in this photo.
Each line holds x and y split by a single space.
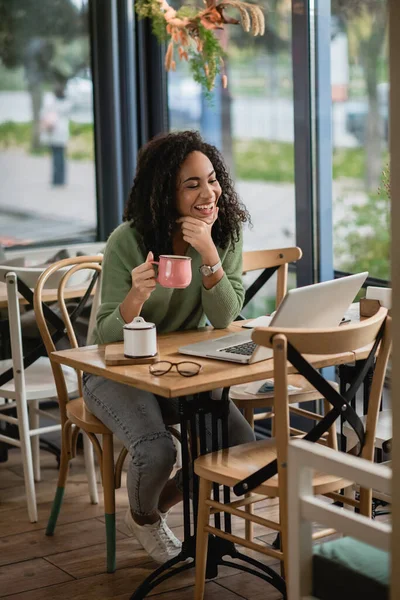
157 539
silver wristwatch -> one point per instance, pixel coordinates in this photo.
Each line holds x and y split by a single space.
206 270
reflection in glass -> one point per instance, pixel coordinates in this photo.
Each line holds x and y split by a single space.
360 112
47 188
251 122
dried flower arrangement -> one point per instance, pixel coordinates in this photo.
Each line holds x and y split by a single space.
191 31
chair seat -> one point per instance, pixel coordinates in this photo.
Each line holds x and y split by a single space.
80 415
383 430
242 399
347 568
229 466
39 380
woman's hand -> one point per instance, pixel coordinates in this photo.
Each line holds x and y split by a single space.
143 280
143 285
197 232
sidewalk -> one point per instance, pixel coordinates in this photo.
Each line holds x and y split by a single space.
31 209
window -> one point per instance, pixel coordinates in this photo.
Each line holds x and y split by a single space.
47 191
360 114
251 122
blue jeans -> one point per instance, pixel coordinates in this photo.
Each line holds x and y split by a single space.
139 419
58 159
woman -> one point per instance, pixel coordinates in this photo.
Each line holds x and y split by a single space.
182 202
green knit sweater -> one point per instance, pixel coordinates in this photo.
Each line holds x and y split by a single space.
169 309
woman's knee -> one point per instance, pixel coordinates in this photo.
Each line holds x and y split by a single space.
155 452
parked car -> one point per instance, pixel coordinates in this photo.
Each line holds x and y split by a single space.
357 111
79 91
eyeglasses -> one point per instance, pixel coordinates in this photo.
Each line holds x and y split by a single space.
184 368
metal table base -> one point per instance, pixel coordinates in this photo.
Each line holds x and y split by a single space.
193 411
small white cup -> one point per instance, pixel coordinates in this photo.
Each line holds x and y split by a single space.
140 339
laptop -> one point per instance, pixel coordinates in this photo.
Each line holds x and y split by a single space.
321 305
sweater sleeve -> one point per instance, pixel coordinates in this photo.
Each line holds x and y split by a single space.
223 302
115 285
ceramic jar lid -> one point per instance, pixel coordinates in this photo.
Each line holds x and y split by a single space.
139 323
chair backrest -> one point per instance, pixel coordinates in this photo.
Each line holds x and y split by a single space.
30 275
68 268
255 260
8 276
34 257
289 343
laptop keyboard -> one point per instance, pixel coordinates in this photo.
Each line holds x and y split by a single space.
245 349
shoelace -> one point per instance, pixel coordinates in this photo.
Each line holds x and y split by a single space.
162 536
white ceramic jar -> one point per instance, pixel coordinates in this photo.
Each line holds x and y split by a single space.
140 339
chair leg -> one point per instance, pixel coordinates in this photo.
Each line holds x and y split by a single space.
366 502
26 452
34 421
90 469
349 492
249 508
109 500
62 478
202 538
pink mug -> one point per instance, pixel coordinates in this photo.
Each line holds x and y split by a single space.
174 271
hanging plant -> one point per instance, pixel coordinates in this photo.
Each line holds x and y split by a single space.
190 32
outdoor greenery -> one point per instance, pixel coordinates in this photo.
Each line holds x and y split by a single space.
11 80
363 237
18 135
264 160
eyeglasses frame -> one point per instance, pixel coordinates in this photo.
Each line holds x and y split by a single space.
175 364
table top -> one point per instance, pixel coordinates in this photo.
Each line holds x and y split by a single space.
215 373
49 295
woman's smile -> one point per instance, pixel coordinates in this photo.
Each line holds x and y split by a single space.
205 210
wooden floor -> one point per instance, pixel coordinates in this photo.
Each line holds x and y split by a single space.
71 564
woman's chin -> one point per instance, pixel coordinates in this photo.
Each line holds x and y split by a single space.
206 218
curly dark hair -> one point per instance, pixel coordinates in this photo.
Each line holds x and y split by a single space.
151 206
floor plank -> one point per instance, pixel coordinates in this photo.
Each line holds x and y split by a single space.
117 586
249 587
186 579
91 560
75 508
213 592
29 575
14 497
34 544
121 585
9 479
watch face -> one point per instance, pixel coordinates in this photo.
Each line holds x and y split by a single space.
205 270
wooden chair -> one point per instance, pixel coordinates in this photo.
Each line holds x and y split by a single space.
74 414
328 573
260 467
383 431
270 261
24 388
